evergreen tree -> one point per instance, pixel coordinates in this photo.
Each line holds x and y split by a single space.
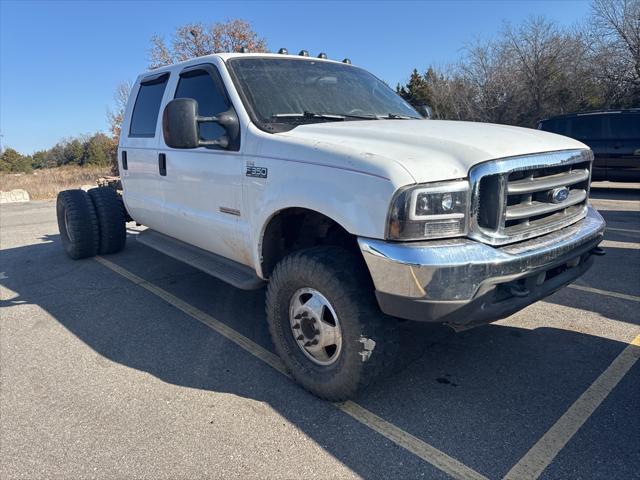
14 162
416 91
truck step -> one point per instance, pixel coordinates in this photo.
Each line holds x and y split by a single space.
236 274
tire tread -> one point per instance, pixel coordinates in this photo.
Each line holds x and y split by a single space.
111 219
82 221
339 270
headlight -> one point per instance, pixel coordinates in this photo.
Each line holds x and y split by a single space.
432 210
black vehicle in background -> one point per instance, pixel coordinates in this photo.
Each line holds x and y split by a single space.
613 135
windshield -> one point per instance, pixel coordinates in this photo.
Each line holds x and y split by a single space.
293 91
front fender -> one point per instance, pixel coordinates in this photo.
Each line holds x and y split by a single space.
357 201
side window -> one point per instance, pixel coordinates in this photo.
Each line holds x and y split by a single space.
588 127
200 86
625 126
147 106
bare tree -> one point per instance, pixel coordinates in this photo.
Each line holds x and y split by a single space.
619 22
487 71
452 96
197 39
115 116
538 50
614 43
160 54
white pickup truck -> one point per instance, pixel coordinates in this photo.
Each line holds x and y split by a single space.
314 177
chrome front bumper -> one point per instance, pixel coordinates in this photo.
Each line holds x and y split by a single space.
447 280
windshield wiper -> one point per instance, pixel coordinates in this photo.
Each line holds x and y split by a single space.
326 116
395 116
363 117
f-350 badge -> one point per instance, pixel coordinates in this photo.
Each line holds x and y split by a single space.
255 171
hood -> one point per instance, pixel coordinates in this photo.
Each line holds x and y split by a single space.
432 150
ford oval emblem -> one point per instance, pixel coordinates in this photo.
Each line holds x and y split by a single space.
559 195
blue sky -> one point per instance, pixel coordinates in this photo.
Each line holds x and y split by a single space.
61 61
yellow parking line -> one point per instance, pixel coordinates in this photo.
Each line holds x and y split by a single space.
538 458
624 296
222 328
609 204
421 449
617 244
627 230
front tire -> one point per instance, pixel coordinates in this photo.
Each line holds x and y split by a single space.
77 223
325 322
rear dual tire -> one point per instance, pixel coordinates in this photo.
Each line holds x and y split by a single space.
91 223
78 224
111 219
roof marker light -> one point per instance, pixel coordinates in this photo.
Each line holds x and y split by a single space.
322 55
244 50
283 51
303 53
347 61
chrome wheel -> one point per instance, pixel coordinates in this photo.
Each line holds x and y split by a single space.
315 326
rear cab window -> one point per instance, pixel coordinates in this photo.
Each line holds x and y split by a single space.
146 109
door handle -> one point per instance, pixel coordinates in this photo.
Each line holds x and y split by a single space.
125 165
162 164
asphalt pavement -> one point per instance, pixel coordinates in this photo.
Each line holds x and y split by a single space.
138 366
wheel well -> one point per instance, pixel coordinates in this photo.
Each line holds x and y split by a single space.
297 228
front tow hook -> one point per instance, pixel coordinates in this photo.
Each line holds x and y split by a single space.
519 291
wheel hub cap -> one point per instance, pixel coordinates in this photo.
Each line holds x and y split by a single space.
315 326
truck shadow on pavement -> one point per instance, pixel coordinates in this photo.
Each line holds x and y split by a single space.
483 396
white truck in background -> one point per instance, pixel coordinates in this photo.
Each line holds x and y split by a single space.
313 177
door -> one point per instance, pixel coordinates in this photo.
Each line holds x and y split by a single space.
202 186
138 154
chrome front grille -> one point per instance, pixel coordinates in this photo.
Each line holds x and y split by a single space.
522 197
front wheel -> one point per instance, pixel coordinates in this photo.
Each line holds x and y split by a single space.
325 323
